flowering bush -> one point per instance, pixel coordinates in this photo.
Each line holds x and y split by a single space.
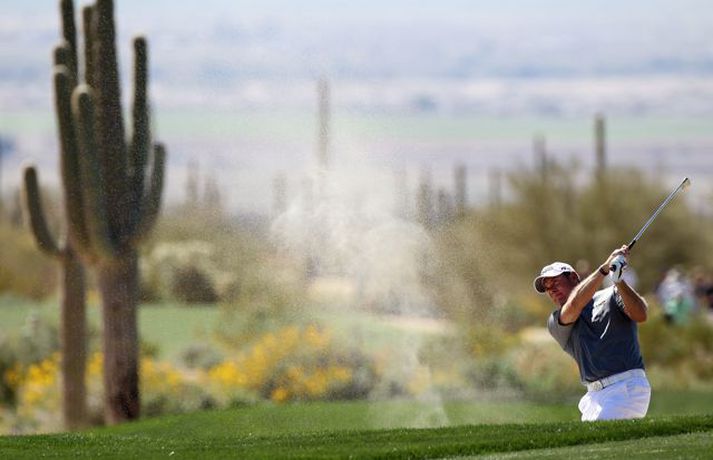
184 271
295 364
164 389
37 398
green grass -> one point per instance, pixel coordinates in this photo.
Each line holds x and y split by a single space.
244 433
692 445
171 327
268 419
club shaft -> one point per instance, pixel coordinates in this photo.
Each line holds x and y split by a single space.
657 212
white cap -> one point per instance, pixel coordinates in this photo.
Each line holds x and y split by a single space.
550 271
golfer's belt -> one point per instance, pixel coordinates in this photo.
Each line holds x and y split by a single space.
612 379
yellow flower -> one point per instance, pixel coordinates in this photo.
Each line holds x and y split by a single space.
13 376
341 374
95 365
315 338
279 395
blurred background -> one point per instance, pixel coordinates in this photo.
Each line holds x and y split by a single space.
358 196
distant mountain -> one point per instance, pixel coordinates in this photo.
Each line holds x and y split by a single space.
240 49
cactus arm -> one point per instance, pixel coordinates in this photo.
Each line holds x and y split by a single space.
62 56
89 25
93 192
69 33
141 135
69 163
151 202
109 119
33 211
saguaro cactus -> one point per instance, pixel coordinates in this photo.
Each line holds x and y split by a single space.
600 147
73 333
461 189
114 186
424 200
323 134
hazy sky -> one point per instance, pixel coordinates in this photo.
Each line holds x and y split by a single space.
386 39
550 58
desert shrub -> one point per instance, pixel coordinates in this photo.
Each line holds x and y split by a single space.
192 285
167 390
36 341
544 371
8 372
24 270
164 390
183 271
554 220
685 351
493 374
295 363
271 297
220 251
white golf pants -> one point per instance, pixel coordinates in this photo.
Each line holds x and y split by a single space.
625 399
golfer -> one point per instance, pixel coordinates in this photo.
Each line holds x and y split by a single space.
598 329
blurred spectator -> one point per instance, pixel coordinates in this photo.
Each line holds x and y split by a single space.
709 298
675 294
703 288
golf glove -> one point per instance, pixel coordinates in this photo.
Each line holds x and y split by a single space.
616 270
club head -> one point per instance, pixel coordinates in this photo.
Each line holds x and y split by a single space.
686 183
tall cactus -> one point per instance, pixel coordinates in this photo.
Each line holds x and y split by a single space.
73 330
323 133
114 186
600 147
73 334
461 189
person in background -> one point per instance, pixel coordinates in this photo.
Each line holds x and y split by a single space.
676 296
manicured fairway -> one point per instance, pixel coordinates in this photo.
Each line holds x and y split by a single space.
692 445
375 430
190 441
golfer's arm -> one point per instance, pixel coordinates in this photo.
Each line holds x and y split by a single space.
580 297
635 306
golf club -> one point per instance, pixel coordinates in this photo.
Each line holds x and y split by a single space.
682 186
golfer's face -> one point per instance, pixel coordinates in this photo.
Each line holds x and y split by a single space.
558 288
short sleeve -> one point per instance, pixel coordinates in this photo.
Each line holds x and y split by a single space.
617 300
560 332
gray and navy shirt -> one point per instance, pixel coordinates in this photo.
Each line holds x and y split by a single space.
603 340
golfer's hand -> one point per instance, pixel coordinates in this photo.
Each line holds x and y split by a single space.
622 251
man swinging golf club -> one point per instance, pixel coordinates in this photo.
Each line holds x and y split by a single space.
598 329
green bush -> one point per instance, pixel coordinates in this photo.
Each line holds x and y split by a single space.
190 284
37 340
545 372
24 270
205 257
683 350
553 220
294 363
